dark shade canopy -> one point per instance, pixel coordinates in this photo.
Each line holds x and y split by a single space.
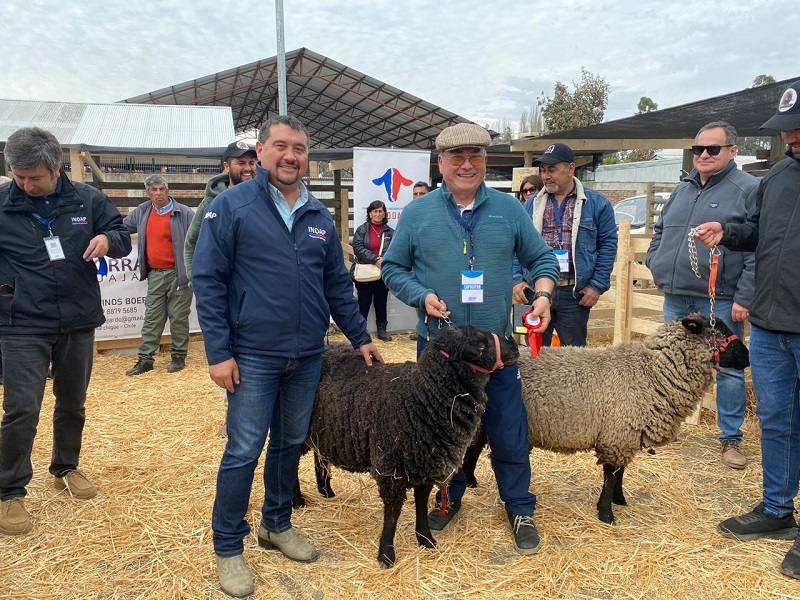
341 107
746 110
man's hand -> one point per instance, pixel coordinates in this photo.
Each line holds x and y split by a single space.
97 248
541 309
225 374
739 313
435 307
518 293
370 352
589 297
710 234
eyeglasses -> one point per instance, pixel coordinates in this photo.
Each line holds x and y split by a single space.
457 160
712 150
527 191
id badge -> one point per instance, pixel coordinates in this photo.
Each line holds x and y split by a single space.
563 260
54 249
471 287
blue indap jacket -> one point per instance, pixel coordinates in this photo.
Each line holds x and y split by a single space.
262 289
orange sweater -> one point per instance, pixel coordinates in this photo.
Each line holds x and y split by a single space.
160 254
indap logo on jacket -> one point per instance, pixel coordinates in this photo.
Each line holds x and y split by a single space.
392 181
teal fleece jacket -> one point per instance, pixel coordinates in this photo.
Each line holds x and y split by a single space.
428 255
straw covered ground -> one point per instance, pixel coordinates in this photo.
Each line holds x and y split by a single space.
151 445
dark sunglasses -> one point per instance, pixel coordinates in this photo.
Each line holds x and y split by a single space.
527 191
712 150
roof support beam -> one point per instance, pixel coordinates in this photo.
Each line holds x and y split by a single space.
599 145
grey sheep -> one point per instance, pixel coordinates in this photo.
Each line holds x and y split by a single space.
406 424
619 399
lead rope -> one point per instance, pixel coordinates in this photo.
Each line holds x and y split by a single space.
713 260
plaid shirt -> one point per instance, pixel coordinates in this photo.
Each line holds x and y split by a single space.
550 231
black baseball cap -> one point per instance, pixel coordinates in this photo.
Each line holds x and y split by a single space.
788 115
237 150
555 153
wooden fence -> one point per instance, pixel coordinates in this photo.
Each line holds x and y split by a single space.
637 303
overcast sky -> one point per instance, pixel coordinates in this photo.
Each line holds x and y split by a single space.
484 60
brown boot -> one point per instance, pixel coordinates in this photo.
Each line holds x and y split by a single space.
77 484
732 455
14 518
292 545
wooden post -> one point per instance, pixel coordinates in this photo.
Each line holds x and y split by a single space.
776 151
76 166
688 163
344 214
623 306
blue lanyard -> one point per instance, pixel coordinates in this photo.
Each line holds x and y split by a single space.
558 214
469 226
45 222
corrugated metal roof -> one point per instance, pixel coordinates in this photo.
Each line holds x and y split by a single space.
340 107
144 128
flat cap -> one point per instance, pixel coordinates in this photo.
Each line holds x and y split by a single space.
463 135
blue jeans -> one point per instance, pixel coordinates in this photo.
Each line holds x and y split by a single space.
775 364
731 399
569 318
275 396
506 424
26 359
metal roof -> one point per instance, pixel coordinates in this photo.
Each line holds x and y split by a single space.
746 110
97 127
341 107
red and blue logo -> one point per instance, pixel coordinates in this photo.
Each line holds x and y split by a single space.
392 181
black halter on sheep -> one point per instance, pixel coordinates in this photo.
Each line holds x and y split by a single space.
620 399
407 424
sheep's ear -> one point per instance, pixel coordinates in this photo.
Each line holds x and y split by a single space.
693 323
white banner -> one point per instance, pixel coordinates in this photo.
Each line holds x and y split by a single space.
388 175
123 296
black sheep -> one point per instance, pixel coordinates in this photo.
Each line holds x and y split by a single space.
407 424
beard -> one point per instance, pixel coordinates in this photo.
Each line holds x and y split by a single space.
236 178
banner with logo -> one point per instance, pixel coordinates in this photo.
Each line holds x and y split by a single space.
388 174
123 296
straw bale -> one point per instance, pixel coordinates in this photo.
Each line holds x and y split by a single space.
151 446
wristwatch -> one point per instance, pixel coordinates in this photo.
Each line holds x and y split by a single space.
541 293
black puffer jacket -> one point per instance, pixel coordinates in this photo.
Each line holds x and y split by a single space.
40 296
772 231
361 248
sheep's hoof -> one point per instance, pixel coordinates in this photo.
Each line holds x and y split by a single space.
620 500
426 541
386 558
607 518
298 502
327 492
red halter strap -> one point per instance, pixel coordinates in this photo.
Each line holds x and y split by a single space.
498 364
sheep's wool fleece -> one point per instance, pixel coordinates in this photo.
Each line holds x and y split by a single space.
620 398
407 424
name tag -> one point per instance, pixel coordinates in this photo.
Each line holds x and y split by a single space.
54 249
563 260
471 287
